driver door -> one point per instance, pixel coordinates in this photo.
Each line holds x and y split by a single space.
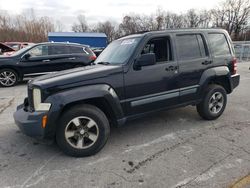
37 62
155 86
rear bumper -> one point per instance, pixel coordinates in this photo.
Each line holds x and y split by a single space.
235 80
30 123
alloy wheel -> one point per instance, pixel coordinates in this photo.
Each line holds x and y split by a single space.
7 78
81 132
216 103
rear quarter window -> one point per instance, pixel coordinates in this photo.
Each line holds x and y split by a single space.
80 50
77 50
58 50
219 44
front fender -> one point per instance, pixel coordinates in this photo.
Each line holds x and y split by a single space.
61 99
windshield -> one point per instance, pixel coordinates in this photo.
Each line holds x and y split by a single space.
22 50
118 52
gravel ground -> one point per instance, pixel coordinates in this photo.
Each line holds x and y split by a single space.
172 149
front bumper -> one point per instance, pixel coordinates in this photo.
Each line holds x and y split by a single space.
235 80
30 123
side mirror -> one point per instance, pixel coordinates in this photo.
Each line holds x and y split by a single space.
26 56
145 60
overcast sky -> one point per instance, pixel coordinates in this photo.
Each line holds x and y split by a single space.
100 10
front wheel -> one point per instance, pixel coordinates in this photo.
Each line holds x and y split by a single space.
8 77
83 131
213 103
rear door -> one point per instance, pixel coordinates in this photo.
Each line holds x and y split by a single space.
59 57
193 60
221 51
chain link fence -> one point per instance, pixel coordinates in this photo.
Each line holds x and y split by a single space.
242 50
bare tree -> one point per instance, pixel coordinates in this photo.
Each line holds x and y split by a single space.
128 25
135 23
192 18
160 14
205 18
106 27
173 21
22 28
59 27
81 26
233 15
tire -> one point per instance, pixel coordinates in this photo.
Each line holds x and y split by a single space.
82 131
8 77
213 103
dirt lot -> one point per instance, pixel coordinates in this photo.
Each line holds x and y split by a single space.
170 149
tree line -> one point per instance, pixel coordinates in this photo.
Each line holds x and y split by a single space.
26 27
232 15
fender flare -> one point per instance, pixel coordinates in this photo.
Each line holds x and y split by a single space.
63 98
213 73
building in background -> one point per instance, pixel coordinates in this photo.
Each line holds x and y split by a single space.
94 40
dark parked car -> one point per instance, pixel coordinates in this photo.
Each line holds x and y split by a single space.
41 59
134 76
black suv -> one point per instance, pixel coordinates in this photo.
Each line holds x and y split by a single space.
41 59
133 76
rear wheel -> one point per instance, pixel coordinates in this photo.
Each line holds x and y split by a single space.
8 77
213 103
83 131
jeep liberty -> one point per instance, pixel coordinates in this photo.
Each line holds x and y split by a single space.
135 75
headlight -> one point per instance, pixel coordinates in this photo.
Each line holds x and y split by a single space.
36 97
37 101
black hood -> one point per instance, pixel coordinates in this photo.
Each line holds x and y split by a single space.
5 59
75 77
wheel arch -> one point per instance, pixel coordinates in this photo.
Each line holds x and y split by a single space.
20 75
102 96
99 102
217 75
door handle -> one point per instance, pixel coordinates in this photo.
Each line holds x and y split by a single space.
46 60
171 68
206 62
72 58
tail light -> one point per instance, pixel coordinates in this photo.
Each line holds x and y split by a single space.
92 58
234 63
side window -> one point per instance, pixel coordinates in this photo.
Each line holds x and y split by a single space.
190 46
77 50
39 51
160 47
149 48
219 44
58 50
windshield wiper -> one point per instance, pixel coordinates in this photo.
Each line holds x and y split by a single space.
103 63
